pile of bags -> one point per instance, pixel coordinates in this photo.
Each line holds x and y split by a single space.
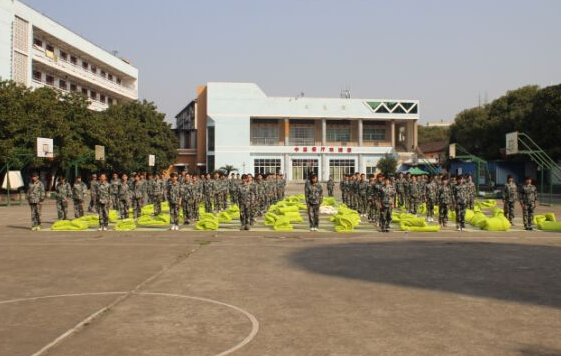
207 222
125 225
547 222
90 220
497 221
67 225
345 219
410 222
227 216
149 220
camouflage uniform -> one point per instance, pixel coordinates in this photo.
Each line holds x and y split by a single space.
431 190
343 188
114 191
103 201
444 202
400 191
224 193
460 197
207 194
157 188
174 199
93 196
137 198
373 198
330 186
124 200
471 194
314 198
63 193
363 196
528 198
387 197
78 195
198 190
232 188
35 196
188 201
246 198
413 196
510 196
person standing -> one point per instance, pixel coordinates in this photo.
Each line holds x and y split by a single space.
157 188
387 199
372 199
528 199
314 198
413 195
137 196
246 198
510 196
460 198
63 194
174 199
114 191
188 199
431 189
124 197
35 197
444 201
92 207
470 185
78 195
103 202
330 186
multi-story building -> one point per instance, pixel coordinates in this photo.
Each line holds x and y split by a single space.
237 124
37 51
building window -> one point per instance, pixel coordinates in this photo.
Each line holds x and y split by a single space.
373 134
93 95
73 60
50 48
264 132
73 87
93 69
63 55
103 73
370 170
266 166
50 80
210 163
338 134
303 168
37 75
62 84
302 132
110 76
210 133
85 91
102 98
119 81
37 42
339 168
85 65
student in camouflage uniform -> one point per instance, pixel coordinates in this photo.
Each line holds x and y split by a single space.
174 199
413 195
188 199
35 197
283 187
124 197
444 201
114 191
343 189
103 202
93 194
510 196
330 186
158 187
150 186
471 190
63 194
528 198
224 191
363 195
460 197
137 196
372 199
207 193
78 196
431 192
314 198
246 198
232 188
387 198
198 189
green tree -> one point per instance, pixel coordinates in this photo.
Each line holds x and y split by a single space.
433 134
227 169
387 165
543 123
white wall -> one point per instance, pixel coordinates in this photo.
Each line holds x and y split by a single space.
6 19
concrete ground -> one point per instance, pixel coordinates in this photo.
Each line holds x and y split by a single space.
264 293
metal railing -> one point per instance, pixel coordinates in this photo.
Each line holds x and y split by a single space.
265 141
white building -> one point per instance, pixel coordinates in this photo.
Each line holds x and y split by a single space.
237 124
37 51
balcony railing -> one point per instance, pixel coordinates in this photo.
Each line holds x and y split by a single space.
302 141
94 104
81 72
265 141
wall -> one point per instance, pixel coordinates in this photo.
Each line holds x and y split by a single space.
6 19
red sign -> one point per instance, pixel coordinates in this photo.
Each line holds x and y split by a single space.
315 149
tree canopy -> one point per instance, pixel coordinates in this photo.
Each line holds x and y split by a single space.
529 109
433 134
129 131
387 165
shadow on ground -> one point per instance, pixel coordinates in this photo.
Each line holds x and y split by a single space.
512 272
538 351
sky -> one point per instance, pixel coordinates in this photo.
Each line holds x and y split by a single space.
447 54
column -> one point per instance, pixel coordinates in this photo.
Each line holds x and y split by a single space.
287 175
415 134
359 166
392 131
323 132
324 167
286 132
360 132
